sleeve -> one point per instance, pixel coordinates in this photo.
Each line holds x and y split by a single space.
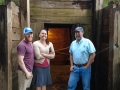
91 47
21 50
36 51
52 50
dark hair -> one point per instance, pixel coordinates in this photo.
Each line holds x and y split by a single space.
47 42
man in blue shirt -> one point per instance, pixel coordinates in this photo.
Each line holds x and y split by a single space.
82 53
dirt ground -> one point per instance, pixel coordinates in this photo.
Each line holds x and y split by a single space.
60 76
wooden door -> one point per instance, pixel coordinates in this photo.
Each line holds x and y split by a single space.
60 37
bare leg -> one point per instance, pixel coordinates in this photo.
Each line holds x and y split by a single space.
38 88
43 87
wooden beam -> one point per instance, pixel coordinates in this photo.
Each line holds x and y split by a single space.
9 45
70 20
61 0
60 12
61 4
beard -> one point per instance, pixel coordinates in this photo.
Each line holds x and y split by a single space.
28 39
78 38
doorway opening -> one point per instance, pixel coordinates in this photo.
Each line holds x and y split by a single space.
60 36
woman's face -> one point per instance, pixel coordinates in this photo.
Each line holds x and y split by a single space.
43 35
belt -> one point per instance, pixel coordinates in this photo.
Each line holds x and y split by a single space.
80 65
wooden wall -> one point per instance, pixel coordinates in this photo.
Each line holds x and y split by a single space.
44 12
14 37
107 42
61 12
19 22
116 48
17 17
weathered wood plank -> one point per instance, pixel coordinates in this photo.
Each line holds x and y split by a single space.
9 45
23 14
61 4
14 46
60 0
70 20
36 26
15 21
105 37
16 34
60 12
15 8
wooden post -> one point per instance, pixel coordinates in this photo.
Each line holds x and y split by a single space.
97 25
28 13
9 44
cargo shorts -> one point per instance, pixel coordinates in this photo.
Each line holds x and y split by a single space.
23 82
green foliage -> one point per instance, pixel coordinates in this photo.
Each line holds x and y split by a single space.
105 3
17 2
2 2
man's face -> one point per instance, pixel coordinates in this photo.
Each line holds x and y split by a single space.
29 37
78 35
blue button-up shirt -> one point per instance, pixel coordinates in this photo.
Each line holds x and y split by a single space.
81 50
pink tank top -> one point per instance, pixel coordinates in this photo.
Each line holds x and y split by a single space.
44 64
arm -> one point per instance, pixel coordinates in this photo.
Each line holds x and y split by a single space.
51 53
91 60
71 62
38 55
22 66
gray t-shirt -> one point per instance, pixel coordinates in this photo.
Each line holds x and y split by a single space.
26 49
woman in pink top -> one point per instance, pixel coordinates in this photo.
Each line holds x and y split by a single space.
44 51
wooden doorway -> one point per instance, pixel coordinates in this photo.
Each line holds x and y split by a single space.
60 36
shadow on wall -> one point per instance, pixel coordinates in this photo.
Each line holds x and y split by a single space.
3 33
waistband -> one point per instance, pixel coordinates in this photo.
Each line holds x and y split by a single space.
80 65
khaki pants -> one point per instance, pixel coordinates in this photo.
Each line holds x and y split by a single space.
23 82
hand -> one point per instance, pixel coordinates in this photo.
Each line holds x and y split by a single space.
71 68
42 56
86 67
28 75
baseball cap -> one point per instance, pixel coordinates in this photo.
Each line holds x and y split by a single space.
27 30
79 29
